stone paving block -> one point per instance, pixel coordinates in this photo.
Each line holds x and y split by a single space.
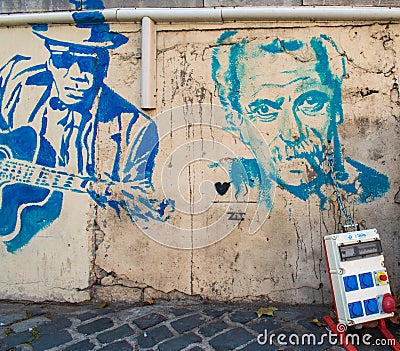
118 346
213 328
153 336
11 318
34 310
29 323
180 311
58 325
255 346
196 348
242 316
49 340
13 340
213 313
311 326
149 320
24 347
263 324
287 315
95 326
59 322
87 315
188 323
96 312
231 339
3 332
179 343
115 334
84 345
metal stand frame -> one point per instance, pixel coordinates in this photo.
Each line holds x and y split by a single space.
350 347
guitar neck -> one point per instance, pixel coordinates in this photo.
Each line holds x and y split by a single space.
18 171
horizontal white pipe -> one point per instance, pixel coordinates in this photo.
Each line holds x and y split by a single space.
148 65
225 14
28 18
171 14
322 13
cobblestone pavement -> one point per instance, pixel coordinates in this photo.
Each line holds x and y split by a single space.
165 326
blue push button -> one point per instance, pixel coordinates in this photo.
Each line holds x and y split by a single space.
366 280
350 283
371 306
355 309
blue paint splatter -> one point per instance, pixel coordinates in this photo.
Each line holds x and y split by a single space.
244 171
279 46
374 184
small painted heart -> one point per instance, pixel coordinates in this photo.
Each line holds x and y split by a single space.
222 188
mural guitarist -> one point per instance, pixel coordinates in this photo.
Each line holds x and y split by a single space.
50 117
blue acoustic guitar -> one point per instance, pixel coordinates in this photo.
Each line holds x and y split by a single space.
30 196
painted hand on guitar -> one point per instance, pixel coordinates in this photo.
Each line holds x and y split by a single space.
137 198
32 189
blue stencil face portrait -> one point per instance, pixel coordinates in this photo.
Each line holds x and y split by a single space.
291 91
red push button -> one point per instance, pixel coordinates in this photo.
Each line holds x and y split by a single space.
382 277
388 303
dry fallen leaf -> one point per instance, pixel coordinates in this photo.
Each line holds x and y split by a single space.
150 301
317 322
103 305
268 311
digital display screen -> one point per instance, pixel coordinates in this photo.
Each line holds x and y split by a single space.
360 250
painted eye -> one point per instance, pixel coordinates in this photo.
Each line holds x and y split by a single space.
264 110
312 103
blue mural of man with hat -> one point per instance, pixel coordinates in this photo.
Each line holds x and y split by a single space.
51 114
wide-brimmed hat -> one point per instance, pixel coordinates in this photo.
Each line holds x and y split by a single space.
89 30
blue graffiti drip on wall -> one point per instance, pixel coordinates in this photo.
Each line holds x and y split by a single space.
50 115
290 91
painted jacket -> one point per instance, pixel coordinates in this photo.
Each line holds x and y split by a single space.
31 120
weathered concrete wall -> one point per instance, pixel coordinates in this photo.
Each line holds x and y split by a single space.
224 192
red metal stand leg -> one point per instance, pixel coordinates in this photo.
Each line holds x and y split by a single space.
341 334
388 335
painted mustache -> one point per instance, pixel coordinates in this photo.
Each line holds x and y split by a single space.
310 147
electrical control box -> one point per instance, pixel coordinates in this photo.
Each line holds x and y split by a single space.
358 275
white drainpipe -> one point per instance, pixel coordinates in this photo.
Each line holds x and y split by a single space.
148 17
148 72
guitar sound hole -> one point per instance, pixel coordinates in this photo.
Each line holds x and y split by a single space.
4 153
